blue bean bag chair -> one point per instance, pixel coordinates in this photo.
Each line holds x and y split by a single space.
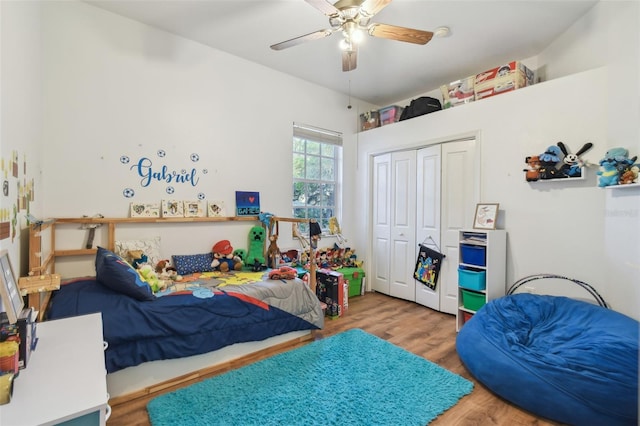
559 358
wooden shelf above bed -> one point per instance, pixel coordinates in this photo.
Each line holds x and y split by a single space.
103 220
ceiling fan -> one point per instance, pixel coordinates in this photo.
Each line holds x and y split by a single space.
353 17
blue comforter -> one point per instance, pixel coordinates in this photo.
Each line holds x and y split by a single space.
182 325
560 358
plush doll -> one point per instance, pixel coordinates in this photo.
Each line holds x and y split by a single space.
609 173
167 272
241 254
548 163
255 254
573 164
150 277
533 168
223 258
629 176
273 252
137 258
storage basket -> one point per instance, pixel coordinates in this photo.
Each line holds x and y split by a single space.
472 300
466 316
472 279
473 255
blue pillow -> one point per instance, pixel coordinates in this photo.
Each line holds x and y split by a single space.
192 263
114 272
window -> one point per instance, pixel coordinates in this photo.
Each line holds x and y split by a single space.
316 174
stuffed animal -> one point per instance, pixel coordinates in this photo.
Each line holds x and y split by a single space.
549 163
150 277
255 254
533 168
137 258
273 252
223 258
241 254
629 176
609 173
573 164
167 272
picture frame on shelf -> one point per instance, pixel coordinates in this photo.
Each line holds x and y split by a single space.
193 209
172 208
486 216
9 292
216 209
144 210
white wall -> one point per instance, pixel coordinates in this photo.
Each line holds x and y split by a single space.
21 120
115 87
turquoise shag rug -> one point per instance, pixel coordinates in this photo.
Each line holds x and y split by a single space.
351 378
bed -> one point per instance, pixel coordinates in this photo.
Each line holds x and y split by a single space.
207 319
560 358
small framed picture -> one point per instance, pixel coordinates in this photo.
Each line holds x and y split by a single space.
144 210
216 209
193 209
9 291
486 215
172 208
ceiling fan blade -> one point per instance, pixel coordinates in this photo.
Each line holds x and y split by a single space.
299 40
349 60
371 7
400 33
325 7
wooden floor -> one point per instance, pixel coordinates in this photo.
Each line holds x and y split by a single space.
411 326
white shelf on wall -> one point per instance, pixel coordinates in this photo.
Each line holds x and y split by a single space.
582 176
629 185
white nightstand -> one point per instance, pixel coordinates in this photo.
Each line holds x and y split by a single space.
65 380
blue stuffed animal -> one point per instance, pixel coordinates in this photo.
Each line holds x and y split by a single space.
549 163
615 160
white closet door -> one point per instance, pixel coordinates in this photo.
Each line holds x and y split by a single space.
428 215
381 189
403 223
460 193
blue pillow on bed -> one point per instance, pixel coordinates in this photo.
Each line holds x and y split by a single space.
192 263
115 273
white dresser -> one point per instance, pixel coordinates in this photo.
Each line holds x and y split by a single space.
65 379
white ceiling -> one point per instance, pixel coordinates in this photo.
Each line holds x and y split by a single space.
484 34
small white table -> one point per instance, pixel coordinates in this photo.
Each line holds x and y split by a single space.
65 379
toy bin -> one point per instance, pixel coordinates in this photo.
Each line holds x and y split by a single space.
472 300
354 276
473 255
472 279
466 316
390 114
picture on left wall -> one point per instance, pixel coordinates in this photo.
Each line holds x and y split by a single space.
14 178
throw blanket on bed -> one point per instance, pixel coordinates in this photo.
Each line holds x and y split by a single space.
188 323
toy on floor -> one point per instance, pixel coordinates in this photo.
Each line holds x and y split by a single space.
255 254
223 258
573 164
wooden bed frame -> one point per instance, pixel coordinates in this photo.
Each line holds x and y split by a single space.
156 376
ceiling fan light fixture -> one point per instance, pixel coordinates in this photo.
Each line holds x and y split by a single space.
357 36
345 44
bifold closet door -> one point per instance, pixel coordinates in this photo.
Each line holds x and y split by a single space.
403 225
428 215
381 216
394 246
